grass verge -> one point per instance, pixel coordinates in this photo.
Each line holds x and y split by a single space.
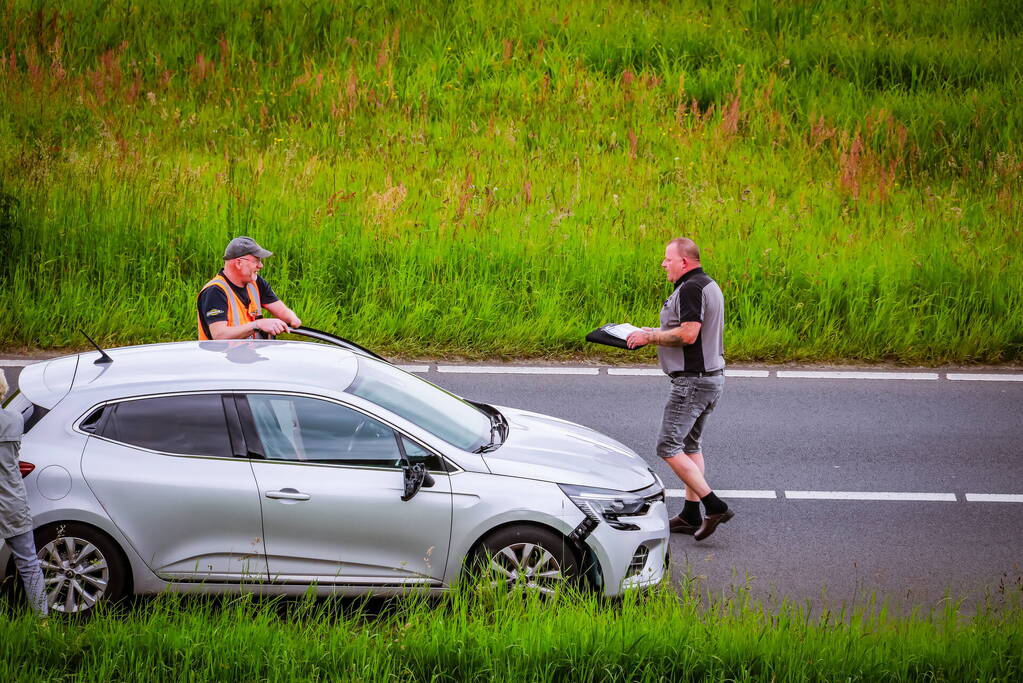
472 635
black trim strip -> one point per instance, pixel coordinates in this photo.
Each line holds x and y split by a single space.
234 426
253 446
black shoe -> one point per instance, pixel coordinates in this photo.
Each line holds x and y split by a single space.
677 525
710 522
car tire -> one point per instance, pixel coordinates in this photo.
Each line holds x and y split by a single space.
90 567
534 558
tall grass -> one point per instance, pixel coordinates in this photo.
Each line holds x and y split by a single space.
474 635
448 178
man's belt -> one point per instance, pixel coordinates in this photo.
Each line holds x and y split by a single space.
687 373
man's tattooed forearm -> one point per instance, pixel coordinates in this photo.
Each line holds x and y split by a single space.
665 339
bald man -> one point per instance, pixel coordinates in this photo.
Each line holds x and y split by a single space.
690 349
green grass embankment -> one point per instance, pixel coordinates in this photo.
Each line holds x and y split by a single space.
479 637
456 178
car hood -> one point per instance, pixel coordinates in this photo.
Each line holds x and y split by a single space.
548 448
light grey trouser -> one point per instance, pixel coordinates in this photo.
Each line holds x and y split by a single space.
25 559
691 400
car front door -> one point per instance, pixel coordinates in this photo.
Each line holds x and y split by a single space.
330 483
168 472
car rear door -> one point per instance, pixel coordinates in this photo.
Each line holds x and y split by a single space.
170 473
330 483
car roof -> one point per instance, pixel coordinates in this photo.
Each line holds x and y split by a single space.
191 365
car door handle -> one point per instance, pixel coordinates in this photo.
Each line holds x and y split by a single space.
287 494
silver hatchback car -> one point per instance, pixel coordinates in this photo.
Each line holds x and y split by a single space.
275 466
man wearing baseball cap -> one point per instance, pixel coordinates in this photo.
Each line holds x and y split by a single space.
230 304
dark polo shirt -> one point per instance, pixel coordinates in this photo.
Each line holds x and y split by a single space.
696 298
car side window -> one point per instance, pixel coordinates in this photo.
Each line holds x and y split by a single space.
189 424
305 429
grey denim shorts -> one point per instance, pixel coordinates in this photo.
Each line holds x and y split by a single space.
691 400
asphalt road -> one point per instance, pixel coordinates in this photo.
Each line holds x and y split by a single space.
778 436
826 435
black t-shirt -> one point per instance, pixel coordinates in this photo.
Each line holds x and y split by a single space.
696 298
213 301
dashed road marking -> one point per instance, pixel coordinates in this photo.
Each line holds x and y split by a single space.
635 372
855 374
727 493
657 372
860 495
515 370
994 497
871 495
747 373
979 377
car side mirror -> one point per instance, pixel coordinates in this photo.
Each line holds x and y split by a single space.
416 477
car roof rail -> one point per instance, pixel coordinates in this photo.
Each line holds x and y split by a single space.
335 340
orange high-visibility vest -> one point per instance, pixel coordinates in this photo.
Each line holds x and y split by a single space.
237 312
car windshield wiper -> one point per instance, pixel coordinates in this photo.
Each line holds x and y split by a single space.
498 428
487 447
495 434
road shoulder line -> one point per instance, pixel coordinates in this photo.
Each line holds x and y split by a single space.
856 374
615 371
515 370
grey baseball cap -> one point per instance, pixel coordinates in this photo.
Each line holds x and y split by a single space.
243 246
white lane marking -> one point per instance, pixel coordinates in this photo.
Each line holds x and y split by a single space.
860 495
871 495
644 372
740 493
994 497
747 373
635 372
726 493
515 370
978 377
656 372
414 368
849 374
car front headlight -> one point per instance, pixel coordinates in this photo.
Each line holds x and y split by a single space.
607 504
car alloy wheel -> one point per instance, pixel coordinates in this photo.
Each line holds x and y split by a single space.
533 558
529 563
81 568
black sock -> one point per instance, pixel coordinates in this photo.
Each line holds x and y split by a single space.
713 505
691 512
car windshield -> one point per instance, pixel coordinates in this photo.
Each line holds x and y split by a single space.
442 414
